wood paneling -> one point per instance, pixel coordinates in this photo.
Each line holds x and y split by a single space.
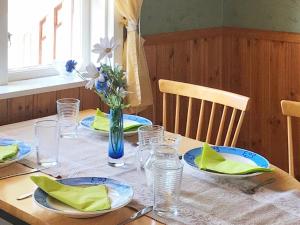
263 65
88 99
68 93
20 109
3 112
44 104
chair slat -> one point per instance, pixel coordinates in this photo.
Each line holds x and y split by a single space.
200 121
204 94
165 110
211 122
209 94
238 129
229 131
221 127
176 129
290 147
189 118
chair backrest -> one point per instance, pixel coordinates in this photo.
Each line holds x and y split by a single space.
205 94
290 109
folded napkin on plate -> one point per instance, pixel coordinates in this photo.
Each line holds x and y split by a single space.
101 122
213 161
87 199
8 152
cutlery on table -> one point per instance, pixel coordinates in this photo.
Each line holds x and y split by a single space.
24 196
137 215
20 174
252 190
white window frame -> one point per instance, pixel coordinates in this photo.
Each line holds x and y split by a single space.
7 76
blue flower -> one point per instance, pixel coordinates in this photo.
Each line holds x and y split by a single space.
100 86
70 65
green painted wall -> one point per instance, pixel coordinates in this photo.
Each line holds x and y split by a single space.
160 16
277 15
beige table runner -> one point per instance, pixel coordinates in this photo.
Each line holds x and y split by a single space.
204 200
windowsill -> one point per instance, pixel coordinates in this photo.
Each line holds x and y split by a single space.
39 85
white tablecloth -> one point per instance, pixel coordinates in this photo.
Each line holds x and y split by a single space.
204 200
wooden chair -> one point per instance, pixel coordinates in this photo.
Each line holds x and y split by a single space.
290 109
205 94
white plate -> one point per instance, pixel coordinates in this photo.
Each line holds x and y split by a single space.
87 122
119 193
235 154
24 150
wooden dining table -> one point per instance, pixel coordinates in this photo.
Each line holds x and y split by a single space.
26 210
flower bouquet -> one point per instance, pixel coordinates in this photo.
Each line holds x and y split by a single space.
109 82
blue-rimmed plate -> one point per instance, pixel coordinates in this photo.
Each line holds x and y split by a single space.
236 154
24 150
88 121
120 194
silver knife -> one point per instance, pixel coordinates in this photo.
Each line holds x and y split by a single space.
137 215
20 174
24 196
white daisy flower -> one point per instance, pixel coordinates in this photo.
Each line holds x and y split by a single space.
90 84
105 48
92 71
93 74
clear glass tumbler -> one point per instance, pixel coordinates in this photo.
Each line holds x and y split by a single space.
145 135
169 140
47 142
167 176
68 115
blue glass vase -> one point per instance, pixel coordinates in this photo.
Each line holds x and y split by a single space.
116 138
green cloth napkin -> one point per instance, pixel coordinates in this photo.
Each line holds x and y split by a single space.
101 122
8 152
213 161
87 199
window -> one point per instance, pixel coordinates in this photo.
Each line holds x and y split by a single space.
38 36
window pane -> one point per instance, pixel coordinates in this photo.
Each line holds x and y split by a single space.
43 31
98 21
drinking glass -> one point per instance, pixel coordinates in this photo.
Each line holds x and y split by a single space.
145 135
169 140
68 114
167 176
47 142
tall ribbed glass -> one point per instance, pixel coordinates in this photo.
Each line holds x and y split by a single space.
167 176
68 115
145 135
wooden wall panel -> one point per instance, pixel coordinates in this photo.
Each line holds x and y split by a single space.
260 64
164 69
20 109
181 71
3 112
150 52
44 104
68 93
293 93
89 99
279 89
